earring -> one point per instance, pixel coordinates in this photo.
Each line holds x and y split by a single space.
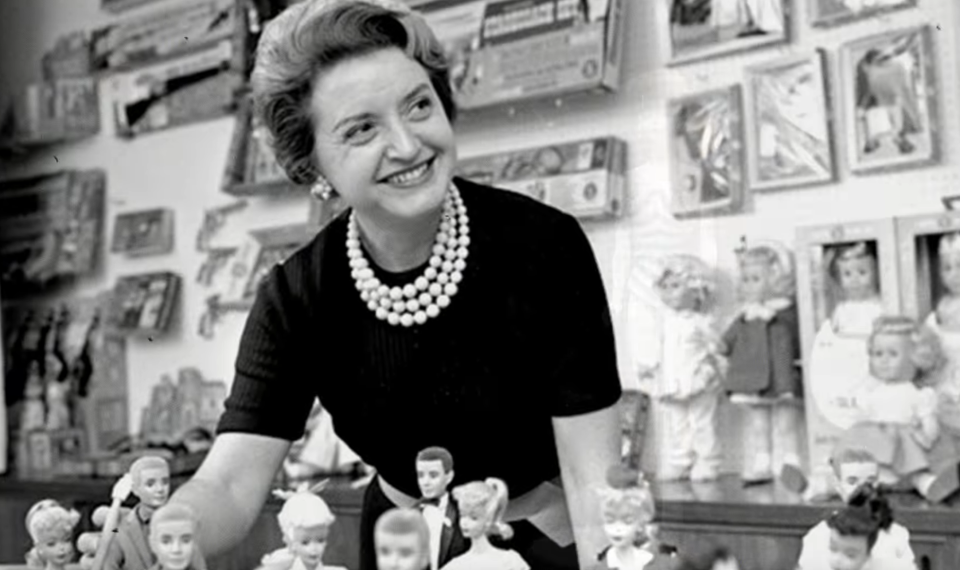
321 189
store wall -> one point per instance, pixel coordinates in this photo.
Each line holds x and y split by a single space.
182 168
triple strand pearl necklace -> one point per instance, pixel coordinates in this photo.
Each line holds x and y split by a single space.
416 302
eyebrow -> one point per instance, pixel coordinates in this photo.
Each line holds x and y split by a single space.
413 93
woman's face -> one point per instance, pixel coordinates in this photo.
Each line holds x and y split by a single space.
383 139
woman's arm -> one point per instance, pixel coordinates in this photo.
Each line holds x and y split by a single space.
231 486
587 446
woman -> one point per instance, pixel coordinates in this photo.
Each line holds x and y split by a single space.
433 312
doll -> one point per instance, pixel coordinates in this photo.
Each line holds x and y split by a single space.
172 536
305 521
33 414
706 555
150 482
945 321
762 346
482 505
51 526
897 420
686 379
434 475
853 267
627 507
402 540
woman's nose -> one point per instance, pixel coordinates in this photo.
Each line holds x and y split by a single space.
404 143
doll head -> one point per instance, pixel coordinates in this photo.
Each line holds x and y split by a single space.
686 283
173 532
402 540
854 528
949 254
627 507
434 472
482 504
151 480
766 272
902 350
853 469
51 526
854 268
305 521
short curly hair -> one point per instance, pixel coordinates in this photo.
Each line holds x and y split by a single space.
925 352
314 35
695 275
49 518
778 260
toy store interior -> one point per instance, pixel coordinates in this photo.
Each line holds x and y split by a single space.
771 190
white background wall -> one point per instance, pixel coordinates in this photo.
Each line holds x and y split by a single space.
182 168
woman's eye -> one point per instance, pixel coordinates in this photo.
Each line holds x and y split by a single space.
359 133
421 107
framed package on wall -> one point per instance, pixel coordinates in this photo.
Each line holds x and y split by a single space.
143 233
706 134
788 123
835 12
252 168
144 304
889 100
847 276
700 29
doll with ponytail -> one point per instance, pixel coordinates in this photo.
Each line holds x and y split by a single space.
482 505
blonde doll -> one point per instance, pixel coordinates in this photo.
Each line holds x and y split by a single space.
853 268
762 345
305 521
945 321
898 422
627 507
686 379
482 505
51 526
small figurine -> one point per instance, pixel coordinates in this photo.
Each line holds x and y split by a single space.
150 482
481 505
402 540
763 347
305 521
897 411
627 507
173 533
686 380
853 268
945 321
434 475
51 526
33 414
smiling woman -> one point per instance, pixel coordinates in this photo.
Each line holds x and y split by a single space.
456 315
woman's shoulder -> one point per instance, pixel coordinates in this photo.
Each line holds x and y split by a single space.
513 210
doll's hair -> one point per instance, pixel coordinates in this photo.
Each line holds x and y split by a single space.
848 252
173 512
146 462
398 521
303 509
488 499
702 555
49 516
775 258
436 453
627 494
695 276
925 352
949 244
866 514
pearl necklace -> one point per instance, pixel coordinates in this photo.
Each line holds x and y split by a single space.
415 302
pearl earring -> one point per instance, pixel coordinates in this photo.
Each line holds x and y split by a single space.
322 190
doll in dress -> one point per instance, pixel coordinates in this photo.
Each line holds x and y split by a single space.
402 540
50 526
482 505
945 321
686 380
762 346
853 268
172 538
305 521
897 410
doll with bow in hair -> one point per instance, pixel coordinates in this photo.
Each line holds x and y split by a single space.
762 347
482 505
50 526
305 521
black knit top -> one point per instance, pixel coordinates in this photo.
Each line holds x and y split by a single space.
527 337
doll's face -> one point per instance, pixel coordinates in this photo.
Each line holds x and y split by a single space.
173 541
853 474
154 486
473 523
622 529
756 279
847 552
889 358
432 478
858 277
675 294
308 544
400 551
55 547
950 272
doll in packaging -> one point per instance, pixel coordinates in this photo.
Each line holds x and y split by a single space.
762 346
51 526
402 540
305 521
945 321
685 381
853 269
173 532
482 505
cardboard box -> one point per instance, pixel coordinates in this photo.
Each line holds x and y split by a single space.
918 238
55 111
583 178
254 259
509 50
144 303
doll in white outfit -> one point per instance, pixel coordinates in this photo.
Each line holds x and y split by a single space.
945 321
482 505
686 379
305 521
853 268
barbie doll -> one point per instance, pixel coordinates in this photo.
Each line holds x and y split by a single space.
853 268
51 528
172 535
481 505
627 507
762 345
686 380
305 521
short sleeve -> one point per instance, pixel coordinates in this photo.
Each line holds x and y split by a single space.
268 397
584 376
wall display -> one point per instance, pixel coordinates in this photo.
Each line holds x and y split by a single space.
847 277
508 50
59 110
144 304
252 168
706 153
143 233
889 99
50 228
69 57
584 178
788 123
834 12
213 220
701 29
175 409
197 87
